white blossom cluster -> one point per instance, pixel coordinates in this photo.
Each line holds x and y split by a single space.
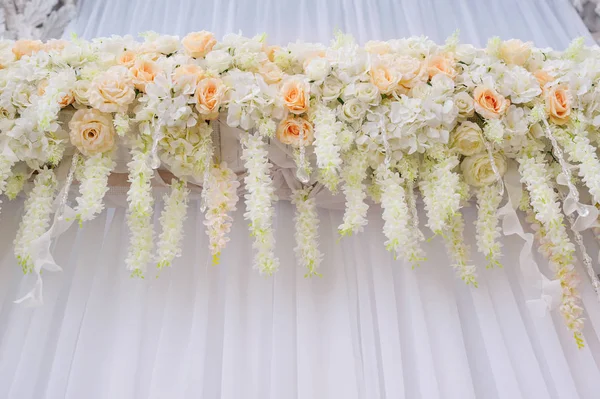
354 173
171 222
93 185
307 232
488 231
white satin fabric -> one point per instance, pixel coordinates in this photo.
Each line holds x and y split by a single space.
371 327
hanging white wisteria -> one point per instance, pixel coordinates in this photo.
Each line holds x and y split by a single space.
377 120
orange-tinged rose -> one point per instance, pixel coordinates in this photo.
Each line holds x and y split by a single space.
270 72
411 70
198 44
92 131
441 64
126 58
22 48
270 51
296 95
384 77
543 78
295 131
489 103
558 104
111 91
209 96
143 72
188 73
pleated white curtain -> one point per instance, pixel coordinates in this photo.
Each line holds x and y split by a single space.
371 327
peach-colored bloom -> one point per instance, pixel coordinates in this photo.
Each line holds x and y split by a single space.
92 131
384 77
209 95
143 72
111 91
489 103
296 95
126 58
543 77
270 72
188 73
295 130
441 64
198 44
515 52
22 48
558 104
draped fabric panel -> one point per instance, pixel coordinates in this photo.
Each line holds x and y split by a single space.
370 327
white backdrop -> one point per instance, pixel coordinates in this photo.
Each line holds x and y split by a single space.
369 328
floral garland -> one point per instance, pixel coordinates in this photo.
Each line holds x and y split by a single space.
307 232
221 200
443 118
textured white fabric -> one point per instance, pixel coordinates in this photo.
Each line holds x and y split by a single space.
369 328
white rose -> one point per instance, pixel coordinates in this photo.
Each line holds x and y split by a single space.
478 171
368 93
166 44
420 90
332 88
317 69
465 53
80 92
466 139
353 110
218 60
464 103
515 52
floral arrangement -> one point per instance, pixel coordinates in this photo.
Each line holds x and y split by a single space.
380 123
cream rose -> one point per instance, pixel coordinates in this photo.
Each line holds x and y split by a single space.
92 132
218 60
515 52
384 77
465 104
489 103
377 47
270 52
332 88
64 101
317 68
478 171
411 70
80 92
209 96
189 73
466 139
443 64
143 72
198 44
270 72
22 48
353 110
126 58
558 104
296 95
55 45
367 93
111 91
291 128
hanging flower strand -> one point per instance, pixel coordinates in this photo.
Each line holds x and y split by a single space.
221 200
171 222
259 202
307 232
488 231
458 250
93 185
354 174
326 148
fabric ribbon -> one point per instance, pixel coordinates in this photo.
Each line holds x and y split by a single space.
587 214
546 293
41 256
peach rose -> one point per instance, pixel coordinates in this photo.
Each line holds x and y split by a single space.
22 48
411 71
126 58
296 95
384 77
55 45
111 91
377 47
295 131
441 64
188 73
143 72
270 72
515 52
543 77
270 52
209 95
198 44
92 132
489 103
558 104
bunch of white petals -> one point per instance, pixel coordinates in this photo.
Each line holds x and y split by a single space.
5 173
488 230
171 222
139 213
93 185
458 250
307 232
326 145
354 174
221 200
259 202
36 218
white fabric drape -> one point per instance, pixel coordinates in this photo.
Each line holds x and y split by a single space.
369 328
